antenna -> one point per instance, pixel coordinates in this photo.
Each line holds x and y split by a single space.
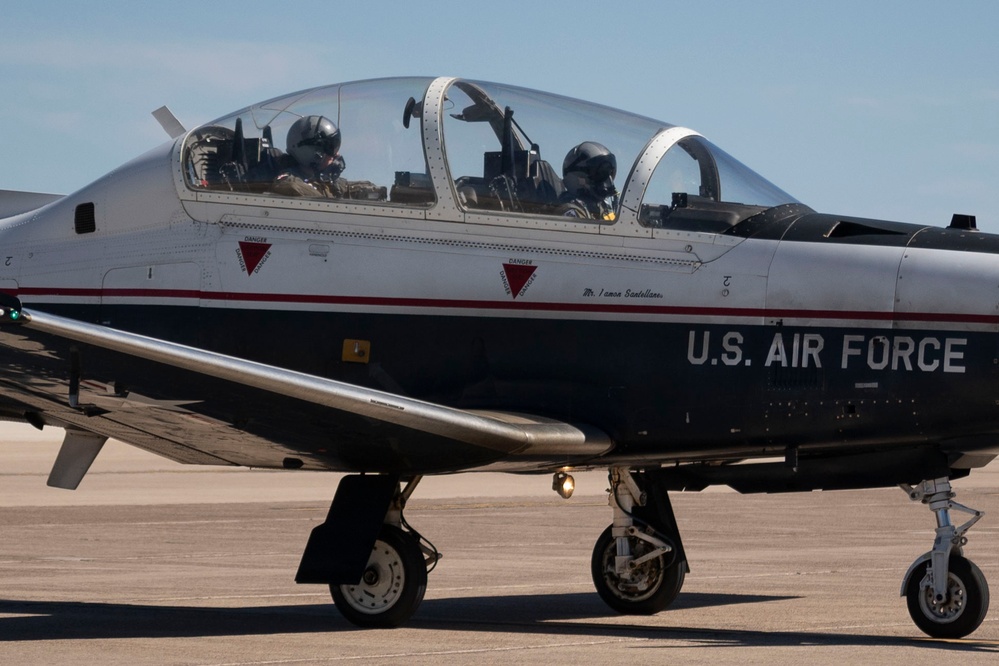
169 122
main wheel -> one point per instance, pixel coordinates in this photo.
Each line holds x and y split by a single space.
392 585
648 589
963 609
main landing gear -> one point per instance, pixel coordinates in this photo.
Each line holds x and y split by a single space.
375 564
946 594
393 583
638 563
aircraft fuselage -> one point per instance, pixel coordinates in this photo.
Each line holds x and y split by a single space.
814 331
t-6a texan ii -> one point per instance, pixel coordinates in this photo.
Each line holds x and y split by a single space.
414 276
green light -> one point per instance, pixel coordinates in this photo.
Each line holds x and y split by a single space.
10 310
10 314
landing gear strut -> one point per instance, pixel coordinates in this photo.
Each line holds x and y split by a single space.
638 565
946 594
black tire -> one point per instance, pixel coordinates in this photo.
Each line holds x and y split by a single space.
393 584
961 612
651 589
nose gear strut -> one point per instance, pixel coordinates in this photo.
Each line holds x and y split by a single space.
947 595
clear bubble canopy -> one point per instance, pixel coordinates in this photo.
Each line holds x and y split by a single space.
502 150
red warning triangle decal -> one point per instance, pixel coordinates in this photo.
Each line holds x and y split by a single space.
252 254
517 276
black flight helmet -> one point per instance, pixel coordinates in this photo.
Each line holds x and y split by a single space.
590 167
312 140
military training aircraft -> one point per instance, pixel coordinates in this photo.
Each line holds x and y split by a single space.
390 279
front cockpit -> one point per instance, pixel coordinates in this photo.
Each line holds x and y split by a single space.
468 151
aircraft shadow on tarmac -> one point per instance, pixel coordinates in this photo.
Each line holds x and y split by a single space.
557 614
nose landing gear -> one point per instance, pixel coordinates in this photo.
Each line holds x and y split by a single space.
946 594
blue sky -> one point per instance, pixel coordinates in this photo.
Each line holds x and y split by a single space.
883 109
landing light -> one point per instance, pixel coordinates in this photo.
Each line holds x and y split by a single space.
563 484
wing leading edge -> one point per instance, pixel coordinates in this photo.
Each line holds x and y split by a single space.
522 441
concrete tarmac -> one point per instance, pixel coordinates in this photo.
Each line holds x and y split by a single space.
150 562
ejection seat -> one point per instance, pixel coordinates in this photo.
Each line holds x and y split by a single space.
528 185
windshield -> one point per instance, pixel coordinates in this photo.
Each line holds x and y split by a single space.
697 186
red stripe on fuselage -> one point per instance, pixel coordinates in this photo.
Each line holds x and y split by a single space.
465 304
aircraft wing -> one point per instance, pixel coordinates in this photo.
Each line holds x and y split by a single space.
199 406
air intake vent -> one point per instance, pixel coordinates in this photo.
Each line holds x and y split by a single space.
843 229
85 220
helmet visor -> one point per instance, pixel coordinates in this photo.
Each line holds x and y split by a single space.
328 144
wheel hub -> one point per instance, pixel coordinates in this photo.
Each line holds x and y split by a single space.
640 582
381 584
947 609
370 576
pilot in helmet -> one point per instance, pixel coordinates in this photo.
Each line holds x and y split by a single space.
314 144
588 173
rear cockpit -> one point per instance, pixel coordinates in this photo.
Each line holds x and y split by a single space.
464 151
249 152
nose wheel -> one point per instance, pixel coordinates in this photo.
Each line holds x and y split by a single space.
946 594
962 607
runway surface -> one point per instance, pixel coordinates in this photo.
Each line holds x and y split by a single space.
150 562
